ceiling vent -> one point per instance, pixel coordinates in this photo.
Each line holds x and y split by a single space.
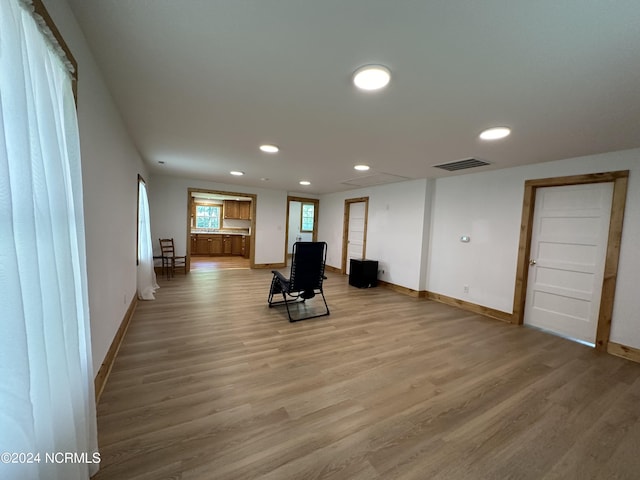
462 164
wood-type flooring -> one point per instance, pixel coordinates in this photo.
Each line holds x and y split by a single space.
210 383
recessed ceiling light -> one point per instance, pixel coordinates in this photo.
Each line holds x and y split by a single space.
305 182
371 77
269 148
234 172
362 168
495 133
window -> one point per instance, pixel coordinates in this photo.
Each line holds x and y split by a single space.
47 396
208 216
307 214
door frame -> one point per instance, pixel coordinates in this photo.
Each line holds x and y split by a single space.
314 234
612 255
345 229
231 195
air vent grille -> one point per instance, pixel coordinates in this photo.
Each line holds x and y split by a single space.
462 164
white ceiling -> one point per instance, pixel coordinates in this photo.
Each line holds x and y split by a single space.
202 83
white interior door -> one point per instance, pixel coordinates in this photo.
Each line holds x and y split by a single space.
355 237
568 247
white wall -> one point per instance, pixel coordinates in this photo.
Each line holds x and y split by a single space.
110 165
488 207
395 229
168 203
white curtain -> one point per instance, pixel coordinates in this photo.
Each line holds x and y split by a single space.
47 402
146 274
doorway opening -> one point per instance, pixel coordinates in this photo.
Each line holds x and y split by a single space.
302 222
612 250
354 234
220 229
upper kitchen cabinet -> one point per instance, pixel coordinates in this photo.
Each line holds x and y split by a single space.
245 210
236 210
231 209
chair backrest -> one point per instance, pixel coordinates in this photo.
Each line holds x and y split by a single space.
166 247
307 265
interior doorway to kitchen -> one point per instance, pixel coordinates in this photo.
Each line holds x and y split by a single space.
220 229
302 222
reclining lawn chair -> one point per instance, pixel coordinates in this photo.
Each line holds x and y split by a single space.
304 282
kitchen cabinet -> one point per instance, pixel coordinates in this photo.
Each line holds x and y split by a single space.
246 246
236 244
236 210
216 247
226 244
245 210
230 209
203 244
219 244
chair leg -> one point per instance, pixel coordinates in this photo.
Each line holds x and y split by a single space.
276 288
284 295
165 267
325 302
310 316
272 290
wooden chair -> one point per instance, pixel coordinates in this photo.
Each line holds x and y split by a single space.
171 262
304 282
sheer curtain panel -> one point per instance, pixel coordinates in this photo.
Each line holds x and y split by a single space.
47 403
146 276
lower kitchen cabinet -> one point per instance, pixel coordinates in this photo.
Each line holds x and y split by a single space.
226 244
236 244
219 244
200 245
216 247
246 246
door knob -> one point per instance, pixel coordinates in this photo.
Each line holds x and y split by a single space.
532 262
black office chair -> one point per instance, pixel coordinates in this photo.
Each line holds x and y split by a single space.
304 282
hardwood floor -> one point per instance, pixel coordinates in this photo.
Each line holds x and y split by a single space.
212 384
218 263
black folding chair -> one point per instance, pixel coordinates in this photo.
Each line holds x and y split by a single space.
304 282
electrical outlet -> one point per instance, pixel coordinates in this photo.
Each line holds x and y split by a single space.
466 289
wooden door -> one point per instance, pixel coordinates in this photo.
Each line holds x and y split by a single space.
568 248
355 231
